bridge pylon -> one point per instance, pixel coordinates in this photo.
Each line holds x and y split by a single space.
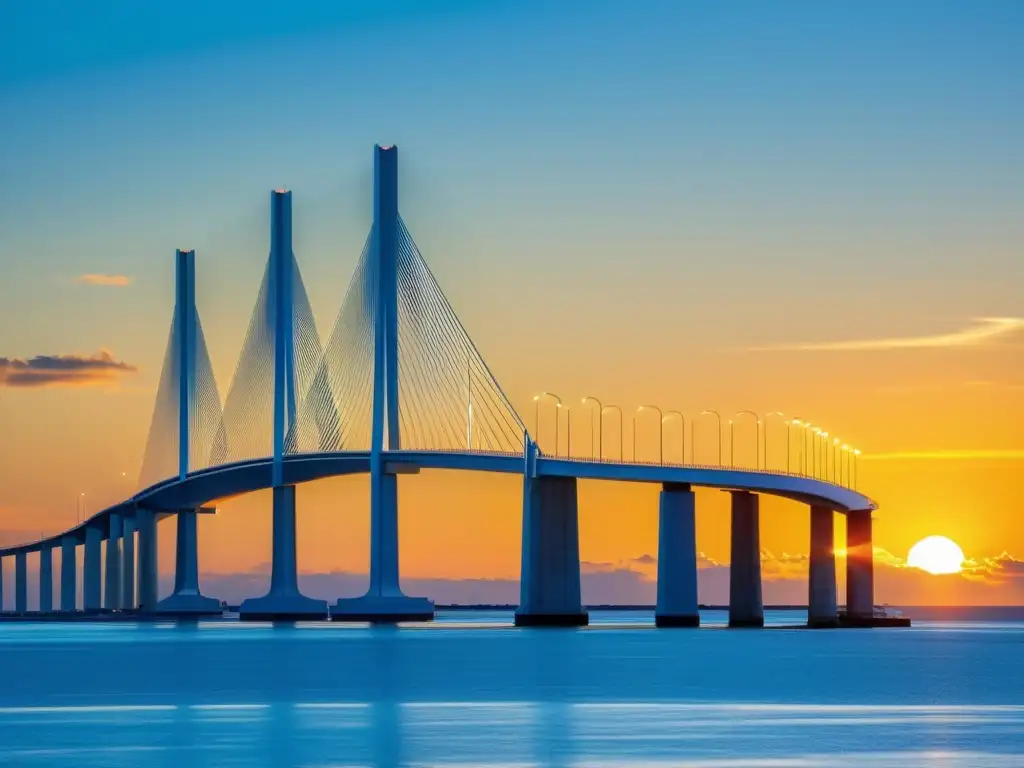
384 600
283 600
188 355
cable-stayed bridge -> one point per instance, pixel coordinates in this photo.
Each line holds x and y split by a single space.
398 387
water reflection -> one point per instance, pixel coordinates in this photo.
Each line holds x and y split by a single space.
389 734
221 694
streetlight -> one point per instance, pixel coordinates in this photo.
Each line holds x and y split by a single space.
600 440
609 407
79 504
682 433
804 426
765 440
568 431
718 416
844 465
835 455
661 419
757 439
536 416
856 454
815 440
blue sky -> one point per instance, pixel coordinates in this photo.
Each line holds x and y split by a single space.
615 195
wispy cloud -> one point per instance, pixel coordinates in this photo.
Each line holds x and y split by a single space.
62 370
953 455
966 387
118 281
981 331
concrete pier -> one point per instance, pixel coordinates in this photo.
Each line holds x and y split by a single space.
550 572
746 608
822 610
46 579
860 575
128 563
283 602
149 586
93 586
21 582
384 601
186 598
112 582
68 574
677 558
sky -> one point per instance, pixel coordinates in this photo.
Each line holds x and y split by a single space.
810 208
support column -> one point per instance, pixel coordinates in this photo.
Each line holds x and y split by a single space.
550 578
68 574
112 587
46 579
677 558
745 605
128 564
283 602
20 582
384 600
821 577
186 598
93 586
149 585
860 574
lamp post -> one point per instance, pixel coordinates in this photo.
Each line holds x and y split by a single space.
757 439
609 407
803 425
682 433
718 416
836 457
844 466
79 505
661 433
568 431
536 416
853 466
765 440
815 443
600 440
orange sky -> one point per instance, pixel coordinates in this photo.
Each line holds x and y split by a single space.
668 208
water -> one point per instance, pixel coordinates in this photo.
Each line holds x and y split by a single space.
471 691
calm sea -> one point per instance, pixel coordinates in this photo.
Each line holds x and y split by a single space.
469 690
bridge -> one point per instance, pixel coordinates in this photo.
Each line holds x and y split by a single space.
397 388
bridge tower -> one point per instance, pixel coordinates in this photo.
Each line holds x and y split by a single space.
186 599
384 600
283 600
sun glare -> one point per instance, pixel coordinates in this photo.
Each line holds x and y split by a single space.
936 555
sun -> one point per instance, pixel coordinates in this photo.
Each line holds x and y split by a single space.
936 555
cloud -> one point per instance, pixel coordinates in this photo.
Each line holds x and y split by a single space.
118 281
983 388
62 370
953 455
997 570
982 331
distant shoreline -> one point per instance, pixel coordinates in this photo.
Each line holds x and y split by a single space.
512 607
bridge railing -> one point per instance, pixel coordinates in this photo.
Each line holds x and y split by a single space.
638 462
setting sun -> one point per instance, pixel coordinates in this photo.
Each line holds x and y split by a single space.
936 555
